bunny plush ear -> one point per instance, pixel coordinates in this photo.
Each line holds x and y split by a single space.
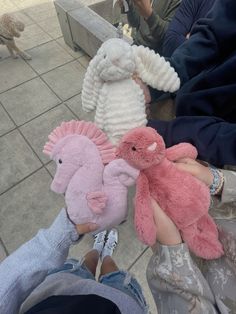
154 70
91 86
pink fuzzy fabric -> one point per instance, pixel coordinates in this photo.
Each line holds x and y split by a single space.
184 198
88 129
93 192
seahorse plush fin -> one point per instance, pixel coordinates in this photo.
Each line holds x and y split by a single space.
97 201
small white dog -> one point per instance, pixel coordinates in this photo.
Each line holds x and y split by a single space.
10 27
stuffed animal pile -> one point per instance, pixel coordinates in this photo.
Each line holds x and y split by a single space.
94 182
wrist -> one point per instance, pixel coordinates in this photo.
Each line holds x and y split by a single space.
209 177
62 233
218 181
77 228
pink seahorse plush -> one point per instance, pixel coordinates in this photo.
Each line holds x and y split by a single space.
184 198
94 182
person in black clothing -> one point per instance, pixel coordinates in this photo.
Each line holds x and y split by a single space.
206 101
182 23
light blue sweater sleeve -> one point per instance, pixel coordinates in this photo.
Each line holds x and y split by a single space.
27 267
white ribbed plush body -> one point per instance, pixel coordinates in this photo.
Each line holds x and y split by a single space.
121 107
109 88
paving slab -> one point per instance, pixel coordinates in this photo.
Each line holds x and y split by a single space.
3 254
21 16
139 271
28 100
84 60
5 122
51 167
75 104
41 11
26 208
32 36
16 71
4 53
38 10
75 54
7 7
37 130
17 160
51 26
66 81
48 56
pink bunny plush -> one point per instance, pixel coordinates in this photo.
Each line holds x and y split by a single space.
184 198
94 192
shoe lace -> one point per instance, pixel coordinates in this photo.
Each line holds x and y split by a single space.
111 245
99 237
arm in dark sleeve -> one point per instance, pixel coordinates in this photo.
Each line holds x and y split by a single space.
179 27
158 25
211 38
133 15
214 138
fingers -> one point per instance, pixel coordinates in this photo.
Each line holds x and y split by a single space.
86 228
187 167
186 160
196 169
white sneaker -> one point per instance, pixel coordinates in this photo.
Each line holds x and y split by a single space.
111 243
99 241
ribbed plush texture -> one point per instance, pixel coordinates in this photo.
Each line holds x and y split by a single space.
110 88
184 198
84 128
93 193
121 107
155 70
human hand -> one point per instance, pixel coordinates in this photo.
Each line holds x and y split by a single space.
144 7
148 111
167 232
86 228
144 88
195 168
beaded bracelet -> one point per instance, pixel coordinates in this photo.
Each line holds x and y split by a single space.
218 180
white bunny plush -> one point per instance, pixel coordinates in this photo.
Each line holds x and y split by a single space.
109 86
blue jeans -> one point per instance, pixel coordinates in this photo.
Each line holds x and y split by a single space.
121 280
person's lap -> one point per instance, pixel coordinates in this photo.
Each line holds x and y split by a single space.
121 280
